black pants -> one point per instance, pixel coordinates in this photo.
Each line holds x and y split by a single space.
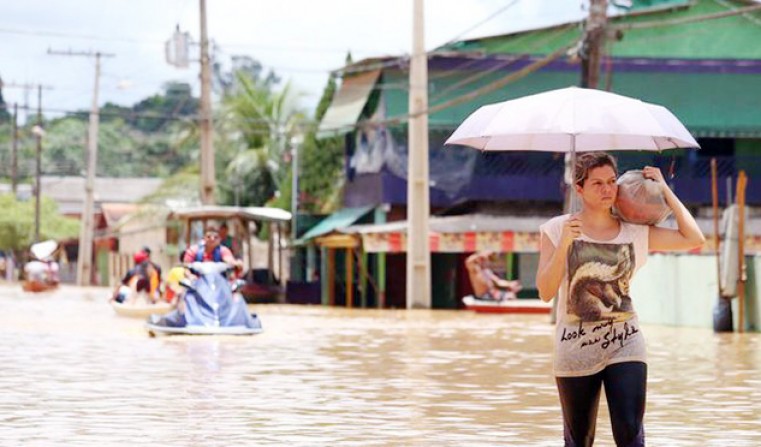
625 390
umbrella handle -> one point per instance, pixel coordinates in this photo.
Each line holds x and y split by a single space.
572 199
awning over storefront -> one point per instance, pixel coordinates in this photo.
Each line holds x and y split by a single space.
336 221
347 103
457 234
502 234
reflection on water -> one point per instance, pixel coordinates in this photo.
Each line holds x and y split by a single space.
74 373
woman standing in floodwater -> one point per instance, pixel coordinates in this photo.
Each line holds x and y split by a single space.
587 259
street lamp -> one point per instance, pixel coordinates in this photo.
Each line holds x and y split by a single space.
38 132
296 141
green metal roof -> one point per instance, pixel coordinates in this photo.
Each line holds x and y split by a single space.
340 219
709 104
734 37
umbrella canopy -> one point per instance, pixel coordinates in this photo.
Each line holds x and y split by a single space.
44 250
572 120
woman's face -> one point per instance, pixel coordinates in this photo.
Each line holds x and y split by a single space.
600 188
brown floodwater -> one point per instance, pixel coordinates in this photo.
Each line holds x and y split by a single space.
75 373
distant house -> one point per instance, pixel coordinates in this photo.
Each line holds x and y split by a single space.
69 192
113 199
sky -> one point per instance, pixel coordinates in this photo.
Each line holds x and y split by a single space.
301 40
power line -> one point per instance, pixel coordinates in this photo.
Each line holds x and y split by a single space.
512 77
101 38
84 262
487 19
149 115
500 66
404 59
684 20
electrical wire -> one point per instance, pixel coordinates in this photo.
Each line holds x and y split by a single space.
491 16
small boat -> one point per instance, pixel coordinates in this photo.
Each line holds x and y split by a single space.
37 286
517 306
41 273
141 309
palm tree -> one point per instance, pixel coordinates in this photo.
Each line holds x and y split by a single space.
261 123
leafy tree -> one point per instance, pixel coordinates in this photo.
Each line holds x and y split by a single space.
180 189
5 116
17 223
227 83
265 121
152 114
320 179
64 147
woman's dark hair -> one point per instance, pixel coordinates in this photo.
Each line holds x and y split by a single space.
591 160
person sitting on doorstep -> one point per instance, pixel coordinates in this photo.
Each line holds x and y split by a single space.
486 284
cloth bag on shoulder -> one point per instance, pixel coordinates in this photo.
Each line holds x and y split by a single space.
640 200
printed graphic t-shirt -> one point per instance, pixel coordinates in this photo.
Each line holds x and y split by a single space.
596 322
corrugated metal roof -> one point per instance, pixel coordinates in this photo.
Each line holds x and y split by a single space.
709 104
347 103
336 221
725 38
69 192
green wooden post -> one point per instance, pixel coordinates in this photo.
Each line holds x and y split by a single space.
362 269
324 276
311 261
509 262
380 267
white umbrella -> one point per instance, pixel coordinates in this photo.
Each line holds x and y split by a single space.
572 120
44 250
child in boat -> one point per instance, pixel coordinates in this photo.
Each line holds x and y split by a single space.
486 284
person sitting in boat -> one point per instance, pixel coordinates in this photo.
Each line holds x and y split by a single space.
143 279
486 284
43 269
210 249
172 284
147 250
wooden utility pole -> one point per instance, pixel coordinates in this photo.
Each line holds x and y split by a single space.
38 166
418 206
742 182
14 151
208 182
14 137
38 133
594 40
87 229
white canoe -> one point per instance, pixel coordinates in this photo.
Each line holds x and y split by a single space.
141 310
